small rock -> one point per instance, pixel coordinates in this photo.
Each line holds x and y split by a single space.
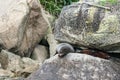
40 53
3 60
6 73
19 66
28 65
11 61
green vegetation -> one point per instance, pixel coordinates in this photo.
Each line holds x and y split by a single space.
55 6
103 2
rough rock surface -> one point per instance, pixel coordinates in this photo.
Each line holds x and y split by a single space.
77 67
5 73
22 25
15 66
53 43
89 25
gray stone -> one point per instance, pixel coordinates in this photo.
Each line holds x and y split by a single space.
89 25
40 53
52 44
76 66
3 60
50 36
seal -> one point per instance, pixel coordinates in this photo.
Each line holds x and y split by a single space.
63 49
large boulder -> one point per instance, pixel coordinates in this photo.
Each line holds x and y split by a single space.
76 66
22 25
91 25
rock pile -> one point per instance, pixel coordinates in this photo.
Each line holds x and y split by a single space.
27 41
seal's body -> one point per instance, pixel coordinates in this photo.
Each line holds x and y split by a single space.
63 49
95 53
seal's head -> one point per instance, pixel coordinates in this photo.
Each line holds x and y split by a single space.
63 49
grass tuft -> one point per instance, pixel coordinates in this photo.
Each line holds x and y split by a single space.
54 6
